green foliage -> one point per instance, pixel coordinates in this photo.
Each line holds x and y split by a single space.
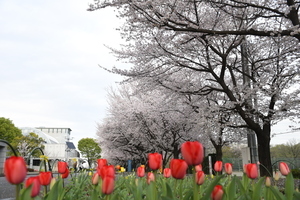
8 131
231 152
130 187
89 149
26 143
296 173
289 150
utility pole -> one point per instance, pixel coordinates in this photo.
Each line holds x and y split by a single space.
251 137
251 102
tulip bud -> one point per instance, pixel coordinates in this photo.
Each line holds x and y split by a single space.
268 181
15 169
108 185
251 170
107 170
200 177
95 179
192 152
218 166
150 177
118 167
101 162
62 167
45 178
36 185
140 171
228 168
178 168
277 176
155 161
167 172
198 168
245 168
217 192
284 168
53 181
66 174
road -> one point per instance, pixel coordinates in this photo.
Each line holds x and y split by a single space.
7 191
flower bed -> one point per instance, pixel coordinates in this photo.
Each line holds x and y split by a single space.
158 184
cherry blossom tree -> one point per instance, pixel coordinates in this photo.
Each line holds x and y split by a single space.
245 50
142 123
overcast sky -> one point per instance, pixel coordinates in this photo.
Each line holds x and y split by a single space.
49 57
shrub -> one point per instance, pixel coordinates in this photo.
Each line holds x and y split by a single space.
296 173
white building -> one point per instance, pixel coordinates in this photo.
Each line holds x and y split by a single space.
57 143
62 135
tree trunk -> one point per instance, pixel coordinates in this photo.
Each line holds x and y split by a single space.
264 153
176 151
219 153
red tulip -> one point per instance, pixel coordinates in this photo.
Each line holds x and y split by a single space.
218 166
228 168
95 179
45 178
101 162
66 174
107 170
155 161
217 193
198 168
200 177
178 168
140 171
167 172
192 152
15 169
62 167
284 168
251 170
108 184
150 177
36 185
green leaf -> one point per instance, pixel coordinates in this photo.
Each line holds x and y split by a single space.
242 190
150 193
166 198
231 188
296 195
53 194
257 189
277 194
289 186
25 193
169 191
188 195
210 187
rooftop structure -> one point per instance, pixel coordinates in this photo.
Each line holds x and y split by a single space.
48 138
62 135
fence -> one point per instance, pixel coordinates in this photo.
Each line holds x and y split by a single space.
237 163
